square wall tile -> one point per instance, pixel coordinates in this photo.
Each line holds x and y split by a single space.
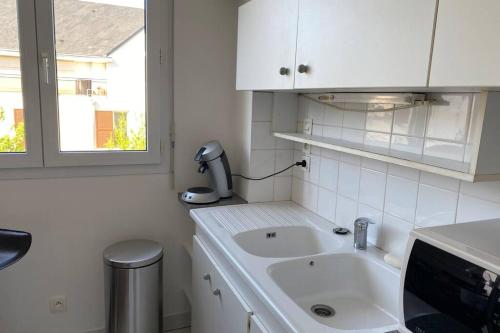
317 130
435 206
283 188
346 212
284 158
351 159
353 135
348 182
297 190
315 111
328 174
262 106
310 196
372 188
448 117
332 132
262 137
475 209
410 122
331 154
285 111
446 183
375 165
444 150
262 163
327 202
394 235
407 144
487 190
355 119
379 121
401 198
261 191
333 116
376 139
404 172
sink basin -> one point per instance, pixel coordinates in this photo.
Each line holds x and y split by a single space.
358 293
286 242
13 246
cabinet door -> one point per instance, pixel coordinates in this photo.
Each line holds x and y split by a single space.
267 34
360 43
466 46
232 313
202 309
256 326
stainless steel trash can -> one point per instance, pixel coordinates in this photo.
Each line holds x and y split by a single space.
133 287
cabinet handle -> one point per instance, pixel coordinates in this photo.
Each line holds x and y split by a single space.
206 277
303 69
284 71
216 292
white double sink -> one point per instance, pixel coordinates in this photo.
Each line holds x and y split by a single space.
313 278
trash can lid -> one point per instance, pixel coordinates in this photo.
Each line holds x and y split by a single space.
133 254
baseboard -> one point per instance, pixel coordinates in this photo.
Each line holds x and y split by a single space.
170 322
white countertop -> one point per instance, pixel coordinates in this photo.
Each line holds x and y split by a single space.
220 224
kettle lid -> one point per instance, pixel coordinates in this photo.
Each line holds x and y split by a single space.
209 151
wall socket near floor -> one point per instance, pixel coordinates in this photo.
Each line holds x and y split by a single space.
307 168
57 304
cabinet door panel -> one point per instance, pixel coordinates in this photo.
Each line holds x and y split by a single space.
232 313
267 35
202 309
360 43
466 46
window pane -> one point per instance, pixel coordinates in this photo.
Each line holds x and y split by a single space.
100 51
12 137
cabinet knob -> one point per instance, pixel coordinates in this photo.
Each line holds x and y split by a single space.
216 292
206 277
303 69
284 71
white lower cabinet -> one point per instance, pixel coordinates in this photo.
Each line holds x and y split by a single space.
217 306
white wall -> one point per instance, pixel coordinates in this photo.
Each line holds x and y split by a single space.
204 83
72 221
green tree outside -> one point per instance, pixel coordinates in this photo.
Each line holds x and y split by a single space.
121 139
15 143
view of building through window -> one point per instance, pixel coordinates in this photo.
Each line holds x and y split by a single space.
100 59
12 137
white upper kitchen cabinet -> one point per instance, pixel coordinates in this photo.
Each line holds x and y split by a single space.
364 43
267 36
467 44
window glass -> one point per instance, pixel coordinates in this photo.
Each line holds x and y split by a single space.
101 62
12 133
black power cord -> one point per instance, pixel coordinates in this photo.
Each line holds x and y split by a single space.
302 163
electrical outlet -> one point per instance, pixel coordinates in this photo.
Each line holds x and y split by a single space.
307 168
58 304
308 126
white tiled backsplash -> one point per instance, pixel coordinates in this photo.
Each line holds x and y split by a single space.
341 187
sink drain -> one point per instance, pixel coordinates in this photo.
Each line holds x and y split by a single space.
323 311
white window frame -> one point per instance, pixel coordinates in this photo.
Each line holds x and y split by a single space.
53 157
33 157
